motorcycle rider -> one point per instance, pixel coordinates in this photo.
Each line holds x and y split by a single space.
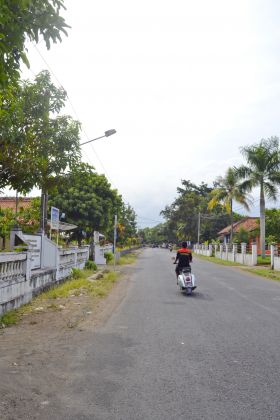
183 257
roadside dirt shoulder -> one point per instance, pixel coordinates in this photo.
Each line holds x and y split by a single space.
34 354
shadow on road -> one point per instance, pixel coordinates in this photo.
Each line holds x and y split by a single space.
195 296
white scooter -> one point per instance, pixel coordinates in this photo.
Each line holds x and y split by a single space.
186 280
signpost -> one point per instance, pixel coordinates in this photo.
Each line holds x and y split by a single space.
54 221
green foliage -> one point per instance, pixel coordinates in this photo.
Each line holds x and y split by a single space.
109 257
263 171
88 201
156 234
264 272
36 146
90 265
241 236
217 260
127 259
263 261
227 189
23 20
272 221
7 220
76 273
29 218
8 319
182 215
271 239
127 226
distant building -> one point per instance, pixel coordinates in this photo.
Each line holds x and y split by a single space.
249 224
10 203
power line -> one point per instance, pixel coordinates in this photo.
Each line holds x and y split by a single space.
76 114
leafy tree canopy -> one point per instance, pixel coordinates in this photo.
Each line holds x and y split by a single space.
35 145
182 215
127 226
88 201
24 20
272 220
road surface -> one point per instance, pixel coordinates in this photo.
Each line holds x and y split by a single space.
163 355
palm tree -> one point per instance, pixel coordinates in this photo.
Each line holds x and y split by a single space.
263 171
227 189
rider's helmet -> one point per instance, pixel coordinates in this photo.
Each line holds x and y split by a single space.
184 244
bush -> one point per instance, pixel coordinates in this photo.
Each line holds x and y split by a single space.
109 257
90 265
76 273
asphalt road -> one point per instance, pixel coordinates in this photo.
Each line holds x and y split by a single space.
164 355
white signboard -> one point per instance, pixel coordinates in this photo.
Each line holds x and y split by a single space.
54 218
34 243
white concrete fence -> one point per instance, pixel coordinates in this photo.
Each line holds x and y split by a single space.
203 249
274 257
19 282
230 253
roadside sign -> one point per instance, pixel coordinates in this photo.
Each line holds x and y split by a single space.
54 218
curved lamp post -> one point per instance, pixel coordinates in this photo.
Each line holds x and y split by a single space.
43 220
106 134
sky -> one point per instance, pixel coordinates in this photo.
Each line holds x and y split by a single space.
185 84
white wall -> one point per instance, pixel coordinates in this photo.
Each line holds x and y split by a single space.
18 282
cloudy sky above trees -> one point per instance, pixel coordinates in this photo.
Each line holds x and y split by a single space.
185 84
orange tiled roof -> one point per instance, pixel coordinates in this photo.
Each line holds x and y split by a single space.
249 224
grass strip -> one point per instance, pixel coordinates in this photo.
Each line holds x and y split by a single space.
127 259
263 261
265 272
217 260
74 286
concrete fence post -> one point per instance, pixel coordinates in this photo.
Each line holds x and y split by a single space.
210 250
221 251
227 252
254 254
272 254
234 252
215 249
243 251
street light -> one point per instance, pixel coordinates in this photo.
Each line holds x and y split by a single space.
106 134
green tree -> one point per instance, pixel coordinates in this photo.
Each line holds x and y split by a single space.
7 220
24 20
88 201
29 218
36 144
127 225
182 215
153 235
263 171
272 225
227 189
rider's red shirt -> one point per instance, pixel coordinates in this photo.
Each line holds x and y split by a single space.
184 257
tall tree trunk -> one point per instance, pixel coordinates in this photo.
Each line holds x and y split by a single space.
42 212
262 221
46 209
231 222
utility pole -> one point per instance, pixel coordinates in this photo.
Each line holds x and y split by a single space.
198 228
115 240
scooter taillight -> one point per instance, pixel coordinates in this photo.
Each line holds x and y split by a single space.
188 279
